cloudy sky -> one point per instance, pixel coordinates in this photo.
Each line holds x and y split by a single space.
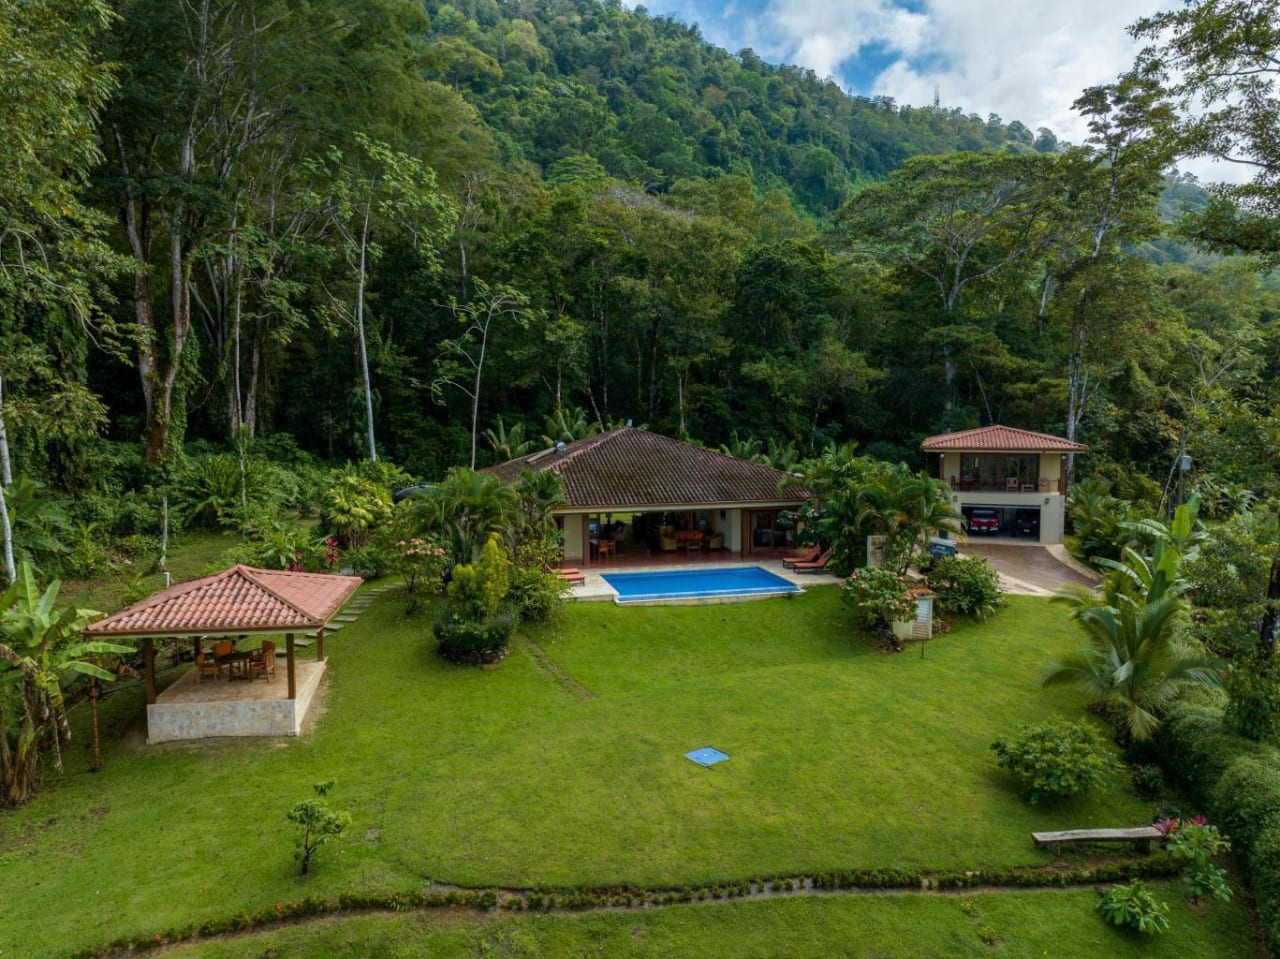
1025 60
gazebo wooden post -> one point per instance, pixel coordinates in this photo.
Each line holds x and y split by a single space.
149 669
195 646
293 681
320 645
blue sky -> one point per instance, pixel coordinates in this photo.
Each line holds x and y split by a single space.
1021 59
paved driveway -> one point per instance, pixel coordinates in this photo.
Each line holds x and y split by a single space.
1030 570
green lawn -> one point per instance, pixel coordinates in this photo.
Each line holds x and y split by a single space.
564 768
1021 925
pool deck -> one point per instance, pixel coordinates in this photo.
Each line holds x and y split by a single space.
596 590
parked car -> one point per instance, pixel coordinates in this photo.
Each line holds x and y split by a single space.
1027 523
984 521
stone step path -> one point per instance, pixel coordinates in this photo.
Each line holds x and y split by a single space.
350 613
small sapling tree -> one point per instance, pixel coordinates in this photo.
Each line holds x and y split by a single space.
317 822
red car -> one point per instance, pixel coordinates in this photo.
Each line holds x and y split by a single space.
984 521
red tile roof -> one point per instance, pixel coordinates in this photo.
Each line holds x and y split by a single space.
238 600
1001 439
633 468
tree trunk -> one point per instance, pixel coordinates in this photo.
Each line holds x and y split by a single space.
6 479
1269 631
364 350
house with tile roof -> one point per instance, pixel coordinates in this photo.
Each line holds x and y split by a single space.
631 490
1006 481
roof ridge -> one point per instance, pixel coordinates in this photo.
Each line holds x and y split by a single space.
246 571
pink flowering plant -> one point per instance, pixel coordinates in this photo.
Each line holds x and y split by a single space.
1197 843
879 595
421 563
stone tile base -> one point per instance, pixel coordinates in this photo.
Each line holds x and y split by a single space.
191 709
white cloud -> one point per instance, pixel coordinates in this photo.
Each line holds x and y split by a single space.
1026 61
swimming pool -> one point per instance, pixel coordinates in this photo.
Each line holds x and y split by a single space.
696 584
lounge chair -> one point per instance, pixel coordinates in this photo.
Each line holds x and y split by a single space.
573 577
815 567
807 557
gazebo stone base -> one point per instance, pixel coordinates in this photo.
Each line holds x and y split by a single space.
195 709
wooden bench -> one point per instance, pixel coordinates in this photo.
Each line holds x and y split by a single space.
1140 836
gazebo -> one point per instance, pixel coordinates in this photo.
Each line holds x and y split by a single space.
237 602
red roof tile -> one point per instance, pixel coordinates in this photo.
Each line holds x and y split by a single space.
1001 439
238 600
633 468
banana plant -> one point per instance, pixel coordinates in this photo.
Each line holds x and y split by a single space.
40 645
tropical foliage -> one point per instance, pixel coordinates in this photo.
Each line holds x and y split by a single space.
1139 655
40 648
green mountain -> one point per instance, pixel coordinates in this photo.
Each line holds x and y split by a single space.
653 102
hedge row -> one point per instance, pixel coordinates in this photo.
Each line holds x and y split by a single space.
1237 784
1155 866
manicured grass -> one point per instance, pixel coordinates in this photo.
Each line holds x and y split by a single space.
1023 924
565 768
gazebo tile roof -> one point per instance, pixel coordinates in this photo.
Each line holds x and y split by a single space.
634 467
1001 439
239 599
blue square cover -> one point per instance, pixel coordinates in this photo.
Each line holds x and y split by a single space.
707 756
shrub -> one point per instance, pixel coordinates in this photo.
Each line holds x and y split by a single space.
1196 844
1246 798
535 591
1199 751
1134 906
474 624
879 595
354 508
478 589
470 642
420 563
1052 760
967 585
1148 780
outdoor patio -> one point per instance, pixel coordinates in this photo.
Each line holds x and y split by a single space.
195 708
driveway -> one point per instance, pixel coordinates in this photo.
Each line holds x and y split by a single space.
1031 570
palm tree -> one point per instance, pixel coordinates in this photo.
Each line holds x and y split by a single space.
566 425
905 508
464 508
538 494
507 444
1136 659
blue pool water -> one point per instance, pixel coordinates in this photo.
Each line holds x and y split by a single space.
697 584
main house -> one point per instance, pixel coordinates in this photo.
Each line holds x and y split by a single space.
1006 481
630 490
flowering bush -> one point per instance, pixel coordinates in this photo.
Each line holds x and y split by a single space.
330 553
420 563
1196 842
879 595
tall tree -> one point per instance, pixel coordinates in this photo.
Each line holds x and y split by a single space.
1221 60
52 258
383 193
955 221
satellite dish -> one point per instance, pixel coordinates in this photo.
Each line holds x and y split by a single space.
560 446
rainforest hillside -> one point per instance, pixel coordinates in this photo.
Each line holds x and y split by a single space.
323 230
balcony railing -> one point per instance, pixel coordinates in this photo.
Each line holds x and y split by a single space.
1015 486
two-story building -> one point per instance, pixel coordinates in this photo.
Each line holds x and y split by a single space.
1006 481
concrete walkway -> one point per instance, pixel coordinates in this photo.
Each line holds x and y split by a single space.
1029 569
